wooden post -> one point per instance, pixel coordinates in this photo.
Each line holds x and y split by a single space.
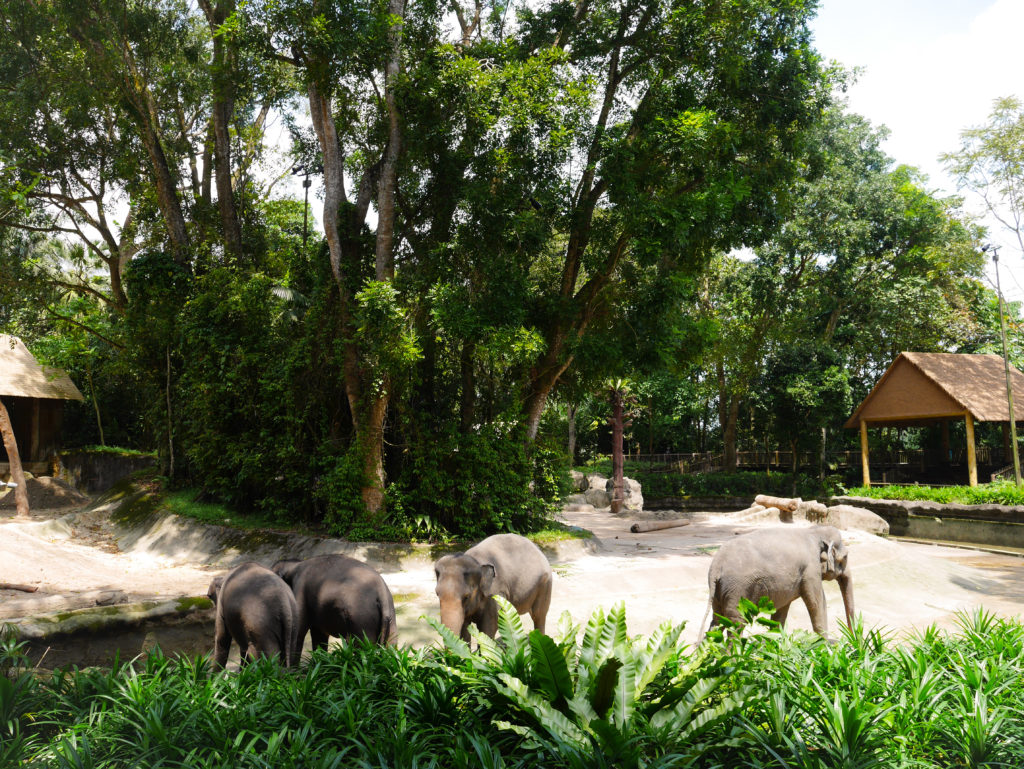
14 460
864 453
972 460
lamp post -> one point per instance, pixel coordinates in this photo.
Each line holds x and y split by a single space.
306 183
1006 366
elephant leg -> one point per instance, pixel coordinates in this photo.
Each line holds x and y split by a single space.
487 619
814 597
318 638
221 643
780 615
541 604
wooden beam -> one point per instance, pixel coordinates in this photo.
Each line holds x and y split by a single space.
972 460
864 453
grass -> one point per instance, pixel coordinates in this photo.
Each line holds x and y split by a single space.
1000 493
588 697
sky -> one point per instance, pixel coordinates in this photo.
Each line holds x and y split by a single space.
929 69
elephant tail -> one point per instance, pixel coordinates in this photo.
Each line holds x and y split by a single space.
388 624
701 630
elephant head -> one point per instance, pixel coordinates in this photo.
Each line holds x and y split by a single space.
286 569
835 565
214 590
463 587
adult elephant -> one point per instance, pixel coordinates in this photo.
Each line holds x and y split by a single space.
256 610
339 596
782 564
507 565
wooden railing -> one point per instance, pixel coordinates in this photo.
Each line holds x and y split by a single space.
696 462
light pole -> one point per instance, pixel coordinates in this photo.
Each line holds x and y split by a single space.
1006 366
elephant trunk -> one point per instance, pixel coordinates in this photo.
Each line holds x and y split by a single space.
845 582
453 617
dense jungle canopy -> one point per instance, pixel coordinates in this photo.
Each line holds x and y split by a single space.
521 202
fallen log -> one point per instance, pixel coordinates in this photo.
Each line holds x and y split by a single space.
749 510
642 526
785 504
22 588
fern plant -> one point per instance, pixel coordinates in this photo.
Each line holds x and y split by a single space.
622 697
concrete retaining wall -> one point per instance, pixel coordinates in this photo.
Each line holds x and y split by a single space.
96 471
995 525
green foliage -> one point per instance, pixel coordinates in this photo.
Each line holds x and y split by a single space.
743 483
587 697
997 493
472 485
623 697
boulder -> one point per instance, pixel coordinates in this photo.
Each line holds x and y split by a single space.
579 507
595 481
633 498
579 480
850 517
575 499
812 511
597 497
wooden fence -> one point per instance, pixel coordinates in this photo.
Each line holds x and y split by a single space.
703 462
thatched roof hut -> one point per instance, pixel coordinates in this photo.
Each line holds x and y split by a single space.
34 396
922 388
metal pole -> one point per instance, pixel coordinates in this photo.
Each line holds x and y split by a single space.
305 209
1006 366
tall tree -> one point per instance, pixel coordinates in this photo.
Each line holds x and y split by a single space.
990 163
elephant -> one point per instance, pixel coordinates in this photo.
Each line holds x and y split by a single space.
505 564
255 608
782 564
339 596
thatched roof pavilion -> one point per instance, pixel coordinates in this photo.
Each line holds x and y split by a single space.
34 396
921 388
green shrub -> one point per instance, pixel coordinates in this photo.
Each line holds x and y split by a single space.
998 493
584 698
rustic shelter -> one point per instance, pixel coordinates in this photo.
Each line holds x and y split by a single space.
921 388
34 396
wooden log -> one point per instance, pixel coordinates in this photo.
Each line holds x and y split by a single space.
751 509
785 504
22 588
642 526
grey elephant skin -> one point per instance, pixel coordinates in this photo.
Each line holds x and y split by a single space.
340 596
783 564
507 565
255 608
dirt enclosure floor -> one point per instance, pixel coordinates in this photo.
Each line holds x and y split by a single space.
76 558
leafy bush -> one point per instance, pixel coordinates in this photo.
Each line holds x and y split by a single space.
742 483
472 485
998 493
573 701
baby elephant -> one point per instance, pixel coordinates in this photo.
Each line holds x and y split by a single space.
505 564
339 596
256 610
783 564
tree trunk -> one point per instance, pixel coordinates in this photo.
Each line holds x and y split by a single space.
370 440
573 408
222 110
467 405
387 194
14 460
617 430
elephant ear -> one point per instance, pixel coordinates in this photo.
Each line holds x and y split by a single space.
487 578
828 556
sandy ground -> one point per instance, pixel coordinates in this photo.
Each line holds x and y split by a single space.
74 561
